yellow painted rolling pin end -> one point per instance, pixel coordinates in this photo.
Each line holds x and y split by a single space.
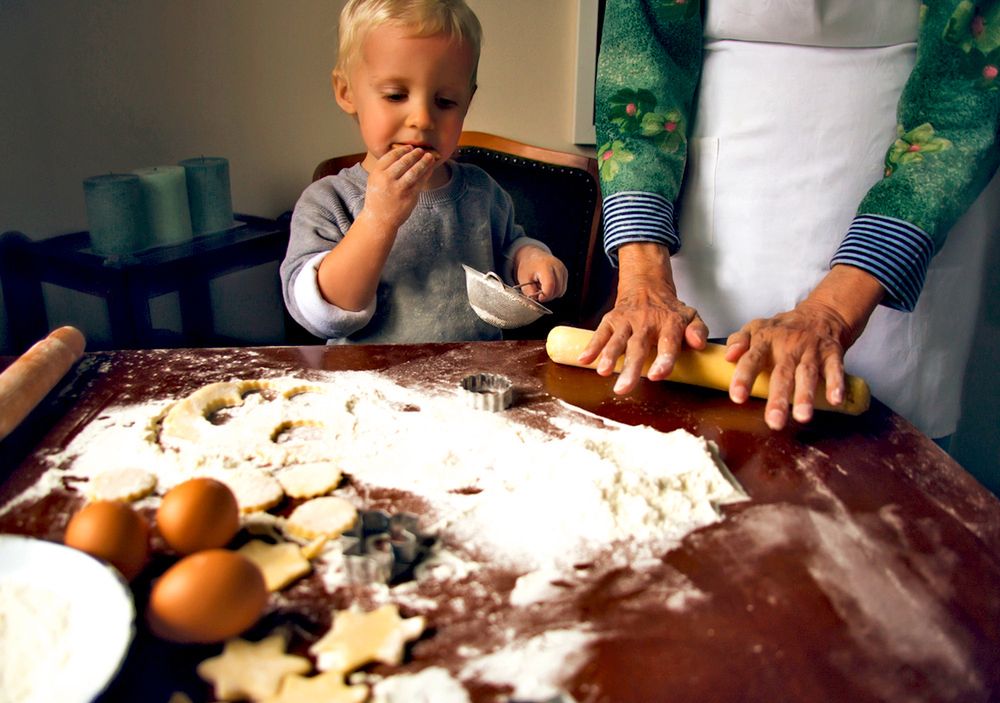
707 368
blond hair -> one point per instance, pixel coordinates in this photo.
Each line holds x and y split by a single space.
453 18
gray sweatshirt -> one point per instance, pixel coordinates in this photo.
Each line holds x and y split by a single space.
421 296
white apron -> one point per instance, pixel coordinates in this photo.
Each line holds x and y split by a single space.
796 109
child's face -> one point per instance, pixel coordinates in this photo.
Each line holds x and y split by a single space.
409 90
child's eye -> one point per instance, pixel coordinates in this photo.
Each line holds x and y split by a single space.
446 103
395 97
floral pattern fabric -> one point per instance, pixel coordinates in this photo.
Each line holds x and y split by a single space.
949 112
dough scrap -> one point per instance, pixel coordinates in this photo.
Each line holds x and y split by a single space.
188 420
328 688
309 480
327 516
260 414
280 563
125 485
251 670
359 637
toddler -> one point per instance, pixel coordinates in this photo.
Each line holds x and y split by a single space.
375 252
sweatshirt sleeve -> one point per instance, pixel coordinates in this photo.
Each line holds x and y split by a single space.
321 217
945 154
647 74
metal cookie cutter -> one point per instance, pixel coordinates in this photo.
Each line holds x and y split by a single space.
488 391
384 548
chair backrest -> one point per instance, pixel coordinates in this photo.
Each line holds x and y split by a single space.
556 199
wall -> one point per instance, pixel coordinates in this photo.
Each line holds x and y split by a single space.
105 85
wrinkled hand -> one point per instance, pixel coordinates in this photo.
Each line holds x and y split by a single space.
647 315
804 346
542 275
395 182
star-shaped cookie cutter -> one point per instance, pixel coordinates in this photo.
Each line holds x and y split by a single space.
383 548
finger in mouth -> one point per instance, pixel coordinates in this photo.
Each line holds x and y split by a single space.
431 150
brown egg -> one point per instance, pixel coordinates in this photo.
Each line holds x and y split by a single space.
112 531
207 597
201 513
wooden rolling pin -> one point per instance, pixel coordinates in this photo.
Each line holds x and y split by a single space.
24 383
707 368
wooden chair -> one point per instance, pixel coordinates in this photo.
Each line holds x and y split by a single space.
557 200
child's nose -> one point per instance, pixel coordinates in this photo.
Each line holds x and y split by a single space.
420 115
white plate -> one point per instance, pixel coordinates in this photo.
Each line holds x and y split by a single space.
73 642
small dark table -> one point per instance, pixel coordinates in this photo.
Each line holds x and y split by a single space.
128 282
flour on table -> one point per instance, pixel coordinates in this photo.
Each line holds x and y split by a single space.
536 667
523 497
431 685
504 494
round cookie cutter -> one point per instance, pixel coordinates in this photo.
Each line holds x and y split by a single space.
488 391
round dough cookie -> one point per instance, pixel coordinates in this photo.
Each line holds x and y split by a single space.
254 489
309 480
121 484
327 516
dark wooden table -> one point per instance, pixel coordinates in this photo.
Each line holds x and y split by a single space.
865 567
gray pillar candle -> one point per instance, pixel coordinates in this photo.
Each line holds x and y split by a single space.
164 193
116 216
209 194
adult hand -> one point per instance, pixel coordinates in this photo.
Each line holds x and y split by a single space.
394 184
647 315
540 273
804 346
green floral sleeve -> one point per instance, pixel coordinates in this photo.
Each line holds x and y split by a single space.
949 116
648 70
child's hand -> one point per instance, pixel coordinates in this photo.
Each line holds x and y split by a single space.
395 183
544 274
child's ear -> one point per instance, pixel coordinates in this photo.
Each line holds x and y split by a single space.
342 92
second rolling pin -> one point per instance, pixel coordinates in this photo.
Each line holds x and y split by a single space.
707 368
24 383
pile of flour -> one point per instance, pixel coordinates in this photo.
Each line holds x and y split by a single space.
514 496
526 498
34 647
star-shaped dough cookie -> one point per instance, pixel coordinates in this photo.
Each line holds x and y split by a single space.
358 637
280 563
322 688
252 670
327 516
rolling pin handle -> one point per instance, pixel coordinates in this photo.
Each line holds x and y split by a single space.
29 379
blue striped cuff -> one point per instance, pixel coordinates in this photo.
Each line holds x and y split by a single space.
896 252
634 216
